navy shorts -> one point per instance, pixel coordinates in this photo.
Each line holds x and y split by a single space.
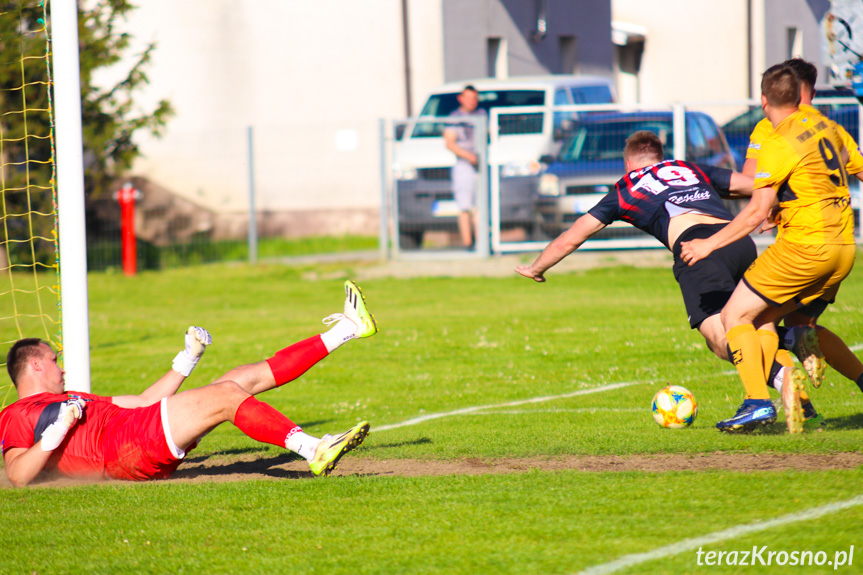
707 285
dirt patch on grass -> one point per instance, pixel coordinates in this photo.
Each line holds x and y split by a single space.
248 466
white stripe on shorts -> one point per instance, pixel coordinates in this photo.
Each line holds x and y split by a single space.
176 451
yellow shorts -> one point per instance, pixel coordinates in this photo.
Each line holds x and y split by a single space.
802 273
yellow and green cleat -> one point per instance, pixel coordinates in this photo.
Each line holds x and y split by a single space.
793 382
357 312
809 353
332 448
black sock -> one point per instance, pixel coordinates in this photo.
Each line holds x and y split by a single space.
774 371
860 382
781 331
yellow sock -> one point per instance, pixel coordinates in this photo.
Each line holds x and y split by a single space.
746 357
784 358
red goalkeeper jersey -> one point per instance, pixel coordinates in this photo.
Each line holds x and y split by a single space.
82 451
108 441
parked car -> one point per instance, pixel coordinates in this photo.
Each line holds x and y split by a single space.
422 163
591 161
839 104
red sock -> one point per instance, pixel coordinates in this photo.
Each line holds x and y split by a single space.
263 422
292 362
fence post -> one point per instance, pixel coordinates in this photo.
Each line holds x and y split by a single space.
383 239
679 115
481 240
253 219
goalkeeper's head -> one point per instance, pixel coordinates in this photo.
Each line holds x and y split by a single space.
21 353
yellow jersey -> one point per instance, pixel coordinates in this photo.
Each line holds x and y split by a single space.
802 159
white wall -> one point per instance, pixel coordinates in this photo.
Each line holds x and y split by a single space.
312 78
426 39
698 50
695 49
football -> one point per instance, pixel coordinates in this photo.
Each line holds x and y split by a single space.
674 407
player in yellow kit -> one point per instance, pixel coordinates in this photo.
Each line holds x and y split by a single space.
808 342
803 165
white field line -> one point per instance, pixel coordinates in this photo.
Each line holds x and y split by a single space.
719 536
573 410
857 347
474 409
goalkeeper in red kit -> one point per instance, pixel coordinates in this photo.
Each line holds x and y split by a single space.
146 436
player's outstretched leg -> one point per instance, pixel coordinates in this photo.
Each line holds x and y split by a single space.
332 448
792 384
263 423
809 353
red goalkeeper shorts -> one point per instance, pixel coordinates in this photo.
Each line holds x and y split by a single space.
138 446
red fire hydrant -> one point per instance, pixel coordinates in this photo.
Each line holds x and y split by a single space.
127 196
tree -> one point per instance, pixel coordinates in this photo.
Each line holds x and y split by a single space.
109 117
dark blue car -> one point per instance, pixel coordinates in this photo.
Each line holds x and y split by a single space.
591 161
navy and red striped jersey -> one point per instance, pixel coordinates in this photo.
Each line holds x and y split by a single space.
648 198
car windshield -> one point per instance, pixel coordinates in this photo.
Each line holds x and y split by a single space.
745 121
442 105
593 141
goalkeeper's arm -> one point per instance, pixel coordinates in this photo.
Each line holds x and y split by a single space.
196 341
24 464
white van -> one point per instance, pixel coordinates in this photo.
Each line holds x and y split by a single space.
422 163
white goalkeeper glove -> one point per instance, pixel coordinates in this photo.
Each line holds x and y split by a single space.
197 340
70 412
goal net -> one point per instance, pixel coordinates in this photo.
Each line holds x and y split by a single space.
29 265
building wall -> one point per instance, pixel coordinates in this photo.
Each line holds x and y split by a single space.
468 24
312 81
694 49
805 16
426 49
699 50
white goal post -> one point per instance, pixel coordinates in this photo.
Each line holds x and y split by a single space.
74 305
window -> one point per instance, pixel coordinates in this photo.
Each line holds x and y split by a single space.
442 105
563 121
592 95
568 55
496 61
794 43
696 145
711 134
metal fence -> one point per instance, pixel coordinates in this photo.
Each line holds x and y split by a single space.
546 166
311 184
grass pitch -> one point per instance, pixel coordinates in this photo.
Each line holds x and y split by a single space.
446 347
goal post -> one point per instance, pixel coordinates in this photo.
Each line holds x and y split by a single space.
74 305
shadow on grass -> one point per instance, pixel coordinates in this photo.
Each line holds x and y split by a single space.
848 422
308 424
240 451
264 466
209 465
418 441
